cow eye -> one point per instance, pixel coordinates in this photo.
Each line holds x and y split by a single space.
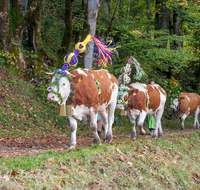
63 84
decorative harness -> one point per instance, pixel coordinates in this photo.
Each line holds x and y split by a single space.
97 83
58 74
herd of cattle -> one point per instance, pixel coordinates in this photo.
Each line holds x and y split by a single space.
141 100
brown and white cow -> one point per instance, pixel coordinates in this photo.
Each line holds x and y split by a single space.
86 100
144 100
186 104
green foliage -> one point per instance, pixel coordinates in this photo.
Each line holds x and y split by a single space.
6 57
155 50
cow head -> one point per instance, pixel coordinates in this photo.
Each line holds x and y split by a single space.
59 89
123 95
174 105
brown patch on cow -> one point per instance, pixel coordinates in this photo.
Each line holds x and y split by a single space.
137 101
87 92
185 104
162 91
154 97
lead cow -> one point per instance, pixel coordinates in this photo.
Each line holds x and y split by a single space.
143 100
87 100
186 104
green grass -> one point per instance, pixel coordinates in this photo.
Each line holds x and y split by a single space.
170 163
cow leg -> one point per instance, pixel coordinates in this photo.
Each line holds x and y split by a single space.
132 117
104 117
111 111
73 127
93 126
196 122
158 127
133 127
141 122
182 121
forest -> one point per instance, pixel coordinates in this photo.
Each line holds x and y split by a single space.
163 35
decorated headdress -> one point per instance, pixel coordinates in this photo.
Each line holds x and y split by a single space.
175 89
124 79
103 51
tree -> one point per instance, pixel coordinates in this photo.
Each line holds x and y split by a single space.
92 13
69 4
12 25
148 15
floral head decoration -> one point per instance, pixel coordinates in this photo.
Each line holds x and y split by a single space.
124 79
103 51
175 89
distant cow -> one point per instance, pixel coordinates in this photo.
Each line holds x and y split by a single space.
186 104
87 99
144 100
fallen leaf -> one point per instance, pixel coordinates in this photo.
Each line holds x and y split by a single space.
129 164
174 161
119 151
122 158
58 186
78 161
64 169
6 178
51 161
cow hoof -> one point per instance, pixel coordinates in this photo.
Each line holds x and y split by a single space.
154 136
160 134
71 147
107 139
97 142
133 136
143 132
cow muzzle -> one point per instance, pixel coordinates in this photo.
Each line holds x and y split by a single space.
175 111
172 106
119 107
52 98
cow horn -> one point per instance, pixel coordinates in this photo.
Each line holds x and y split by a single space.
49 73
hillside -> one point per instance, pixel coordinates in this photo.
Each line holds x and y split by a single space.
24 110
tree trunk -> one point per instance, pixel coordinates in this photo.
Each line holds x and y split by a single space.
12 25
148 15
93 7
162 17
113 17
177 28
69 4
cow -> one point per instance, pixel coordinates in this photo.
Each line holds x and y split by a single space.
87 99
143 100
186 104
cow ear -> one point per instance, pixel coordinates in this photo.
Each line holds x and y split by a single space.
76 79
133 92
50 74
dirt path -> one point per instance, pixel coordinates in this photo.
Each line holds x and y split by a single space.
14 147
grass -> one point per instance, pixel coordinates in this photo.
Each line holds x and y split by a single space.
170 163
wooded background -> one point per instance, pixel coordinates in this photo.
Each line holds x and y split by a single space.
163 35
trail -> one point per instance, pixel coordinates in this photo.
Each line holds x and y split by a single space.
14 147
